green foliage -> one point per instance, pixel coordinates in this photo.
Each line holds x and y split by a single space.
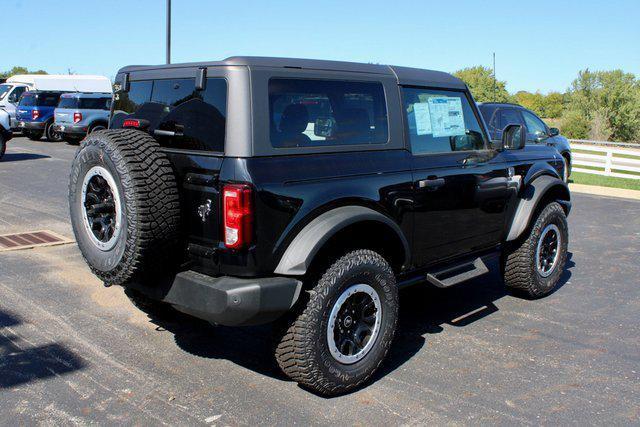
19 70
575 125
610 101
480 82
548 106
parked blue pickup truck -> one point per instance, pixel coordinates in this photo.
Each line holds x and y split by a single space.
35 114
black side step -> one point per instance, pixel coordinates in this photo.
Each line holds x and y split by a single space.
458 273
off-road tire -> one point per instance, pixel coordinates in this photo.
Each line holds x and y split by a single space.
50 134
302 350
3 147
519 261
34 135
148 238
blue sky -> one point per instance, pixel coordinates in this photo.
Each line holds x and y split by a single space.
539 45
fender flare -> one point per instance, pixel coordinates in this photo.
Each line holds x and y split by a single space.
532 195
296 259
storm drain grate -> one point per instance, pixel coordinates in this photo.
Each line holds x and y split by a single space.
32 239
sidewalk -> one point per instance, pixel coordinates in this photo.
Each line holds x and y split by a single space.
605 191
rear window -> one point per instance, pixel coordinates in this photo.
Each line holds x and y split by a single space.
68 102
307 113
40 99
197 118
27 100
95 103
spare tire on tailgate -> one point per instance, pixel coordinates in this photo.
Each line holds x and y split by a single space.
124 206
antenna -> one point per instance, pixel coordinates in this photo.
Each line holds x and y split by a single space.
168 31
494 77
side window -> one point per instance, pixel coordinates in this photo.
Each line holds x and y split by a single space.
17 93
308 113
508 116
535 126
441 121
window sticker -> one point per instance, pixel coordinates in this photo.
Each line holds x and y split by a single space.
423 118
446 116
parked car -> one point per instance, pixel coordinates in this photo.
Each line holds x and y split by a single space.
35 114
499 115
15 86
79 114
5 132
210 194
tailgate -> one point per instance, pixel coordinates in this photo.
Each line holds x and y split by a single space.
64 115
198 181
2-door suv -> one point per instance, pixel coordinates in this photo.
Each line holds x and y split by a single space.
35 114
308 192
79 114
498 115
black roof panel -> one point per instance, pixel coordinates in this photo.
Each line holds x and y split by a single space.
405 75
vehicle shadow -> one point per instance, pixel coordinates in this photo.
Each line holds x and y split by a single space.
22 363
17 157
423 311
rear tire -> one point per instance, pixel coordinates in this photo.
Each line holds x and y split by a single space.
124 206
34 135
331 345
52 136
532 267
96 127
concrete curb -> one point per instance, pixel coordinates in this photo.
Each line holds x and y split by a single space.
605 191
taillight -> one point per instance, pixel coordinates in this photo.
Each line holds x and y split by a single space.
238 215
35 114
77 117
131 123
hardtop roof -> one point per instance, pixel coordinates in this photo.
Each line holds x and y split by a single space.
404 75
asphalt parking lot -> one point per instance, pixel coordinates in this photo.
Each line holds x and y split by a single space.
74 352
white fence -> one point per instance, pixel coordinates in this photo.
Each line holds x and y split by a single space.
604 158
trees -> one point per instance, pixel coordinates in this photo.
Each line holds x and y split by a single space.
19 70
480 82
609 101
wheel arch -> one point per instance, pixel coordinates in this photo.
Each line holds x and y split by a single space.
345 227
539 192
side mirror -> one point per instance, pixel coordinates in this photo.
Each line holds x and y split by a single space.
554 131
514 137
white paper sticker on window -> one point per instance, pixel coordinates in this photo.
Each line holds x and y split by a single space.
423 118
446 116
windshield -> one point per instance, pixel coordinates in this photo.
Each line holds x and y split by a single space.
4 89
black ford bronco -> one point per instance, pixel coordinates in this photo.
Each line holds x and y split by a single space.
252 190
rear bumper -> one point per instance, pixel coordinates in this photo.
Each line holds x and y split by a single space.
233 301
31 125
70 130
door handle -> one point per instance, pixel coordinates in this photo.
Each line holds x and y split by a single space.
431 183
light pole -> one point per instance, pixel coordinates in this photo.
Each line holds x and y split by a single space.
168 31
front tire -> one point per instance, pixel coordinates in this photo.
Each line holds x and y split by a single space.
340 337
534 266
3 147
